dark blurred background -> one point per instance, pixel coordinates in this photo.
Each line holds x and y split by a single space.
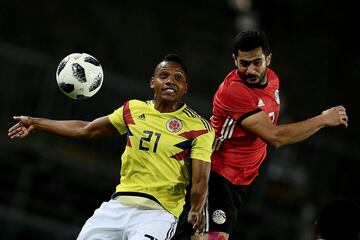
50 185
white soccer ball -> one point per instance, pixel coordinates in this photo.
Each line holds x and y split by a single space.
79 75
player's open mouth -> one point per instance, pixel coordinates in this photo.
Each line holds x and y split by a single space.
169 90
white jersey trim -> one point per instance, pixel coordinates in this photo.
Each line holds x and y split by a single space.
227 131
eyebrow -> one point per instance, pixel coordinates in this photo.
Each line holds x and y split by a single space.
178 70
254 60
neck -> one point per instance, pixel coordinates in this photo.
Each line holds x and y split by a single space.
165 107
263 81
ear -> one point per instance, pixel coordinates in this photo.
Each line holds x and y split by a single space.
186 87
151 82
268 59
234 58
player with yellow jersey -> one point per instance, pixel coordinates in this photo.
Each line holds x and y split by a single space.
166 143
162 143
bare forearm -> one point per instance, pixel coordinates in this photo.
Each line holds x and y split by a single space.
297 132
70 128
100 127
199 190
198 195
279 135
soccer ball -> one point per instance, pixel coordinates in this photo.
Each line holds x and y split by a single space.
79 76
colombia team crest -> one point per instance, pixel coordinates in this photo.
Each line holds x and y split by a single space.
174 125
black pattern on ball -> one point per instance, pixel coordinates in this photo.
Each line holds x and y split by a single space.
78 72
66 87
96 83
62 65
92 61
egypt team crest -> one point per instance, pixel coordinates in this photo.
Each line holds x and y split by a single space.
277 96
219 216
174 125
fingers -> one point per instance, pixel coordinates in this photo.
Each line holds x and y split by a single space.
197 222
17 131
17 125
336 116
20 129
199 228
194 220
344 122
14 128
341 111
340 107
344 118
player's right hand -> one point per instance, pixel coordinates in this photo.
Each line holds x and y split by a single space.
22 128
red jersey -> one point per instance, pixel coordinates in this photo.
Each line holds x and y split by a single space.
238 153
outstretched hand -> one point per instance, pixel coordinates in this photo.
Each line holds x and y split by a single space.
22 128
196 219
336 116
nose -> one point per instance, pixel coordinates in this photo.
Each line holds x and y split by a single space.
251 69
170 79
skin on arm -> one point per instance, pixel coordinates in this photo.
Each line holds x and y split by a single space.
284 134
280 135
199 190
100 127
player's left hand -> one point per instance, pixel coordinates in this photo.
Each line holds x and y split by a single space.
197 220
336 116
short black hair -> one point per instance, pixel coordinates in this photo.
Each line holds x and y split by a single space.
172 57
249 40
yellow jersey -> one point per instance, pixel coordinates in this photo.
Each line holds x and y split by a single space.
159 149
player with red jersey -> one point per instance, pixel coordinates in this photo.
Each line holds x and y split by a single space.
245 111
233 102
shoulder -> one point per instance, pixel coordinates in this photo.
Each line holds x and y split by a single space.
136 104
232 86
232 93
132 106
190 112
272 76
234 97
193 116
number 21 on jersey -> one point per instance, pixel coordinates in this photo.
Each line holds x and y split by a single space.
146 141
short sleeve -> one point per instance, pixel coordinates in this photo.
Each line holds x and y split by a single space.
116 118
202 146
237 101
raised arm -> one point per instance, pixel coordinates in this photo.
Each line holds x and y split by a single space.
284 134
99 127
199 190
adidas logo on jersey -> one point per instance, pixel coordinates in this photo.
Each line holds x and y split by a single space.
142 117
261 103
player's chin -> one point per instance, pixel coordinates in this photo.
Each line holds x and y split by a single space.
171 96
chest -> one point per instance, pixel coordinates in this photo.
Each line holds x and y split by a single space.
157 134
268 100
